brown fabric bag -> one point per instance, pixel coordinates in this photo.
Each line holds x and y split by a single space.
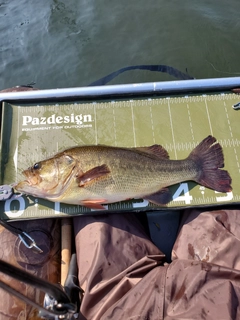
124 276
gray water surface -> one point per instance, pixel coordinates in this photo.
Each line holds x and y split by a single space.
73 43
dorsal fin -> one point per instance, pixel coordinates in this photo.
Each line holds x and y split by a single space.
156 150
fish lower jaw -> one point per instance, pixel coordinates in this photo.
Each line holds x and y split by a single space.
28 182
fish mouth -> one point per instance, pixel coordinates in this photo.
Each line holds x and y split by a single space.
24 183
31 179
29 185
28 182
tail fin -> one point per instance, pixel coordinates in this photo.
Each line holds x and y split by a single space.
208 156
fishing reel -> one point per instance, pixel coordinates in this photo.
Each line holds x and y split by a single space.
62 311
74 293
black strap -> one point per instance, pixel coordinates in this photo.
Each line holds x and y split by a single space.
157 68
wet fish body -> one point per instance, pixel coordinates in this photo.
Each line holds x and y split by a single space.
96 175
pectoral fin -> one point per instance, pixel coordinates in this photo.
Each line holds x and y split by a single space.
92 174
161 197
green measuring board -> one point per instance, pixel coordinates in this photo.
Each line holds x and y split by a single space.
34 132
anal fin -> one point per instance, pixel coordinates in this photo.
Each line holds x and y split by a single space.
161 197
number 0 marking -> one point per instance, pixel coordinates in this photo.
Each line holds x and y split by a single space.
18 213
183 188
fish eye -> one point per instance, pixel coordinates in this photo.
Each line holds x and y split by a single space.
37 166
69 159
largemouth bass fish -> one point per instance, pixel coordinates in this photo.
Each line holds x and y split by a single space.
95 175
